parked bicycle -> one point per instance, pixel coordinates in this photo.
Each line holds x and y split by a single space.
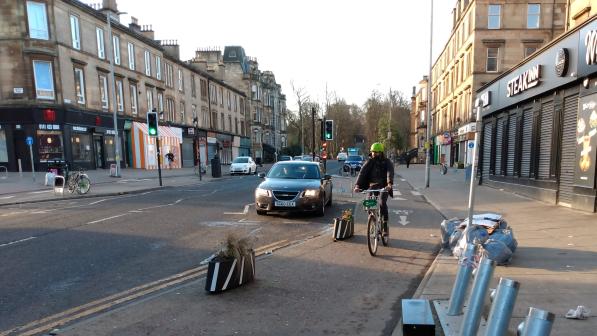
78 181
374 225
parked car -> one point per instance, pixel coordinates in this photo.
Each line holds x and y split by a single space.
353 164
243 165
342 156
294 186
284 158
298 158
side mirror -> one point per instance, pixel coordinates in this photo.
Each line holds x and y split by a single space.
261 175
327 177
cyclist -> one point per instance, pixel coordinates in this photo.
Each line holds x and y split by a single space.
378 173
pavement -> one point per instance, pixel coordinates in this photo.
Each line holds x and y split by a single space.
554 262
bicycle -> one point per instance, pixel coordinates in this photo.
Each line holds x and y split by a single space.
374 225
78 181
443 168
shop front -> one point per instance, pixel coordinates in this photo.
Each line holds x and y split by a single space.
225 145
466 139
188 145
539 129
145 147
244 146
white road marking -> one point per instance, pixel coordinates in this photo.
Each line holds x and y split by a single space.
415 193
6 197
403 180
397 192
403 220
399 199
107 218
41 192
402 212
96 202
14 213
17 241
245 211
254 231
207 260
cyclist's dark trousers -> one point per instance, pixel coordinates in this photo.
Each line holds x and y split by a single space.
383 207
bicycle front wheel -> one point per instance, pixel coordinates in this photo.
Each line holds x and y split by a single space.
372 235
83 185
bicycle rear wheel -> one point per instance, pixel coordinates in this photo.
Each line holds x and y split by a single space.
83 185
372 235
386 239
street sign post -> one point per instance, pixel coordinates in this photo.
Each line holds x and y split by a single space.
29 142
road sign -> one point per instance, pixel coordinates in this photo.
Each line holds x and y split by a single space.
29 141
471 144
446 135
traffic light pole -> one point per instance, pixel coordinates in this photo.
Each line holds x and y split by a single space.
313 121
157 143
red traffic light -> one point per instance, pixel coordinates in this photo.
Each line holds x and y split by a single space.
325 144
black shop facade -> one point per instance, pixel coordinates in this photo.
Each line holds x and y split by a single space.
539 123
81 138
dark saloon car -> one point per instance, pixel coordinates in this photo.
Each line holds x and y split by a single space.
353 164
294 186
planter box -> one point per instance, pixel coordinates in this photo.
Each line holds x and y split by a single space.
229 273
343 229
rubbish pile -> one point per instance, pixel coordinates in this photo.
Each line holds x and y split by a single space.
490 230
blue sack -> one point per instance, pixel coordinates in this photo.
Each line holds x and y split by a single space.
497 251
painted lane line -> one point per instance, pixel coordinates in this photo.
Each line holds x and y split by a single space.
399 199
245 210
41 192
403 180
415 193
397 192
6 197
17 241
105 219
96 202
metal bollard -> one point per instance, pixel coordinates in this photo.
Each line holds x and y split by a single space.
502 307
463 278
537 323
472 316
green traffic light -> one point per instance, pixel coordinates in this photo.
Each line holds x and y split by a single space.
152 131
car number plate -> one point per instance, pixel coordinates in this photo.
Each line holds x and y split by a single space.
285 203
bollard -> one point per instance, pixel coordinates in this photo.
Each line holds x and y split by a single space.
472 316
537 323
502 307
463 277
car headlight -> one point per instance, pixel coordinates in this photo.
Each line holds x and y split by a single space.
311 193
262 192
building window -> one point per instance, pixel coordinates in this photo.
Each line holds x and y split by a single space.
203 85
38 20
133 92
528 51
116 47
194 111
182 110
149 99
158 67
492 59
81 147
214 120
50 146
109 148
3 146
180 81
169 75
80 85
103 83
161 103
229 123
131 48
75 33
44 80
254 92
533 16
205 117
147 63
236 125
229 101
193 86
119 96
493 16
101 53
221 96
222 122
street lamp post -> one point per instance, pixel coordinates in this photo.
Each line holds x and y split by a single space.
113 93
428 129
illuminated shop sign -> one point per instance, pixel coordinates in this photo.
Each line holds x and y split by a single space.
524 81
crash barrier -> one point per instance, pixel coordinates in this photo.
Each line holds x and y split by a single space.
4 172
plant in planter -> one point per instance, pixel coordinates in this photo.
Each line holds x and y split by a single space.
233 265
344 225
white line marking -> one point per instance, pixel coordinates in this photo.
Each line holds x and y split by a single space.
399 199
403 220
96 202
6 197
403 180
397 192
245 211
17 241
207 260
107 218
214 280
41 192
415 193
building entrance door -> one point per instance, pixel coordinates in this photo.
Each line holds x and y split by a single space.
21 150
98 145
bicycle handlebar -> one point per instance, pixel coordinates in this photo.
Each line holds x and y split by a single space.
383 190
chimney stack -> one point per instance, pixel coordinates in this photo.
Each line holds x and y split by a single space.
147 31
134 25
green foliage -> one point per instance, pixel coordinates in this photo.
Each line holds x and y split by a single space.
234 247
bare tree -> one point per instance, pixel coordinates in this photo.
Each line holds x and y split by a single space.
301 98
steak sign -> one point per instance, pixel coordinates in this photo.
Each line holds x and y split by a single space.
524 81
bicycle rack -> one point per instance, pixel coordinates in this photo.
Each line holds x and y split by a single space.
5 174
59 187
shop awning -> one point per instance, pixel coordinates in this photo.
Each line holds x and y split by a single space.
163 131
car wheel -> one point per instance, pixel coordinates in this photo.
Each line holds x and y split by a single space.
261 212
330 201
249 171
321 210
255 172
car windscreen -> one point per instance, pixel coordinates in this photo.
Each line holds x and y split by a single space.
241 160
294 171
354 158
284 158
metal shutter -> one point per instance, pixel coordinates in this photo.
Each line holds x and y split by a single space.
568 156
527 140
511 144
545 140
487 134
499 137
187 153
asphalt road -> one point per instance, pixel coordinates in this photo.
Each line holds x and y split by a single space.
59 255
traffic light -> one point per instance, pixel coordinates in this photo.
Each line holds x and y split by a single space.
328 131
152 124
